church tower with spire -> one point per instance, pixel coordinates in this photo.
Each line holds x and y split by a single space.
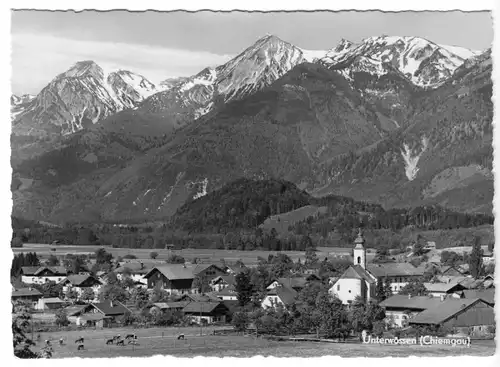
359 250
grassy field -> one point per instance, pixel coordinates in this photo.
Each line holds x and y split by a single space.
205 255
151 342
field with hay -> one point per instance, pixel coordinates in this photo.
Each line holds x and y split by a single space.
163 341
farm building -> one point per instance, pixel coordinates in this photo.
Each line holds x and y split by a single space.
206 312
42 274
52 303
452 271
440 289
235 269
280 295
80 283
27 294
73 312
399 309
102 313
171 306
178 278
173 278
470 316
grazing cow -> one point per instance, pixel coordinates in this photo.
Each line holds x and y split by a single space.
81 347
61 341
47 343
133 341
79 340
180 337
110 341
130 336
116 337
121 342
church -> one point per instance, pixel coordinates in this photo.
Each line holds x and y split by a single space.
361 280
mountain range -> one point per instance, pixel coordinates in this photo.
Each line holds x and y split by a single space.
395 120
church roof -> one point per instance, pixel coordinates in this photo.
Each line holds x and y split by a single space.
357 272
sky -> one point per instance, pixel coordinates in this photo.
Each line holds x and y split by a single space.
159 45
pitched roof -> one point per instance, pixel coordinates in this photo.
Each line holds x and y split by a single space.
25 292
134 268
201 307
395 269
196 297
54 269
167 305
75 310
443 287
443 311
487 295
173 271
29 270
53 300
108 308
197 268
228 291
297 282
413 303
285 294
357 272
76 280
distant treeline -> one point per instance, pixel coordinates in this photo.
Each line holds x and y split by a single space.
230 218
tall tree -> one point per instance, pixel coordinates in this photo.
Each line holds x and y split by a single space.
244 288
476 259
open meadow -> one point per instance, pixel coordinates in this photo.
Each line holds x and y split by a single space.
204 255
152 342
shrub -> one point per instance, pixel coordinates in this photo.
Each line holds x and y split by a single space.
130 256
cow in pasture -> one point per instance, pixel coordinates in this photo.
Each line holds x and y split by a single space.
120 342
181 337
61 341
110 341
81 347
79 340
130 336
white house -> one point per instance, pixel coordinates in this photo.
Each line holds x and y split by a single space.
227 294
42 274
79 283
280 295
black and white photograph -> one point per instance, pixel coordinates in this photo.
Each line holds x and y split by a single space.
251 183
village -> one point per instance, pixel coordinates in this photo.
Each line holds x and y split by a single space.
397 297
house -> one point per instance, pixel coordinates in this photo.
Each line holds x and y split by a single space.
439 289
134 271
223 281
452 271
173 278
27 294
399 309
207 271
42 274
171 306
79 283
469 316
74 311
102 313
178 278
487 295
51 303
280 295
227 294
399 274
206 312
296 283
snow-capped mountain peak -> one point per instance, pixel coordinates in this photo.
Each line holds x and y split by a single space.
83 94
423 62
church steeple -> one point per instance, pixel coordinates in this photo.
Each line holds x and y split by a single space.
359 250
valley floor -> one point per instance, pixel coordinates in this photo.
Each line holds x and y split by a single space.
152 342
